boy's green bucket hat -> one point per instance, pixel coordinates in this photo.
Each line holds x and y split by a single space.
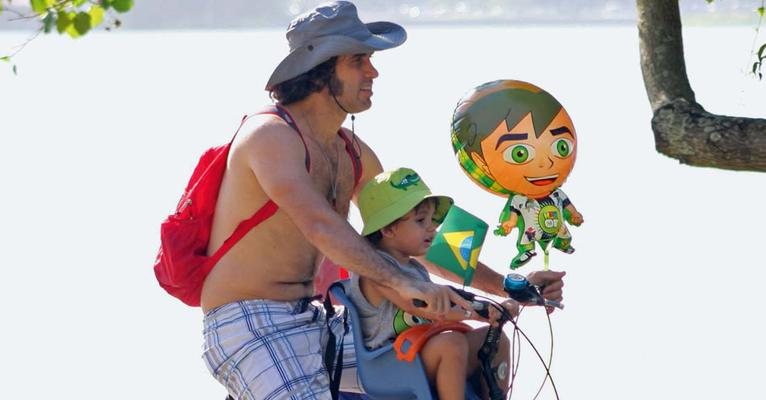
391 195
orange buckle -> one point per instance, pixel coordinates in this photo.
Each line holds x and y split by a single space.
408 343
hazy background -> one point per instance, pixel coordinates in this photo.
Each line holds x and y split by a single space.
249 14
98 137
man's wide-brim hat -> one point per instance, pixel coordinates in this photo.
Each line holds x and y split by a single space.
330 30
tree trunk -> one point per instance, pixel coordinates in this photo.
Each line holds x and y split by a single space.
682 128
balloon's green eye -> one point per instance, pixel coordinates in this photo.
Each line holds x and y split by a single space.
562 148
519 154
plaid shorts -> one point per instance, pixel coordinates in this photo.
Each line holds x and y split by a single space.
265 349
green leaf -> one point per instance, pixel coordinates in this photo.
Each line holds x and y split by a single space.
106 4
761 11
755 67
64 21
82 22
78 3
15 71
96 15
122 5
48 22
39 6
5 58
761 50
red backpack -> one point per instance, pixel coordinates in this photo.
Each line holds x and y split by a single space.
182 263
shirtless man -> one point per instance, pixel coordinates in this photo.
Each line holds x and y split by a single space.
263 336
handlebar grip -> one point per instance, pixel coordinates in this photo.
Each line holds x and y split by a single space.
481 307
553 303
463 293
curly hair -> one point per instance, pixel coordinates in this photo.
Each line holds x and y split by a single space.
313 80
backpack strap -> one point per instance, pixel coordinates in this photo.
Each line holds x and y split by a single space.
269 208
356 157
281 112
334 363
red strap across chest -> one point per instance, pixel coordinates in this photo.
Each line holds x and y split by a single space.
270 208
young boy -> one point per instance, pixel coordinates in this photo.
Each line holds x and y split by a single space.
400 217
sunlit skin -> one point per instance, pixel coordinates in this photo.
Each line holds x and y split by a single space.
528 165
356 74
412 234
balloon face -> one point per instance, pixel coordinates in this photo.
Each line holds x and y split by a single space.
526 163
513 137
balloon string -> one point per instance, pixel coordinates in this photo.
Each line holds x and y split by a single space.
550 359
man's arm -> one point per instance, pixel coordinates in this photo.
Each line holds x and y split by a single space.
484 278
488 280
276 157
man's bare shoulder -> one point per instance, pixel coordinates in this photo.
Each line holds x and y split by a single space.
264 133
260 125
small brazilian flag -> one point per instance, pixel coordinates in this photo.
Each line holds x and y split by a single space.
457 245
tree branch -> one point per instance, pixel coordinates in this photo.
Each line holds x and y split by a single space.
660 44
685 131
682 128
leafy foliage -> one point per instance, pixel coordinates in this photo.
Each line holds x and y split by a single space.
74 18
758 65
759 55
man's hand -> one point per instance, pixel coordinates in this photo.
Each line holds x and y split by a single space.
438 298
551 283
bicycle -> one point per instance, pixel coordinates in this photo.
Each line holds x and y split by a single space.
518 288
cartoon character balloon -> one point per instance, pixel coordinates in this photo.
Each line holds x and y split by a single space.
517 141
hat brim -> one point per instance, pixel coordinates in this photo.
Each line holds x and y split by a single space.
397 210
384 35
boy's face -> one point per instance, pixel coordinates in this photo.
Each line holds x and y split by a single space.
412 234
525 164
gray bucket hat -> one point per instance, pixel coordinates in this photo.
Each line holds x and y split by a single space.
329 30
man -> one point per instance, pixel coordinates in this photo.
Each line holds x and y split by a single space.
263 337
